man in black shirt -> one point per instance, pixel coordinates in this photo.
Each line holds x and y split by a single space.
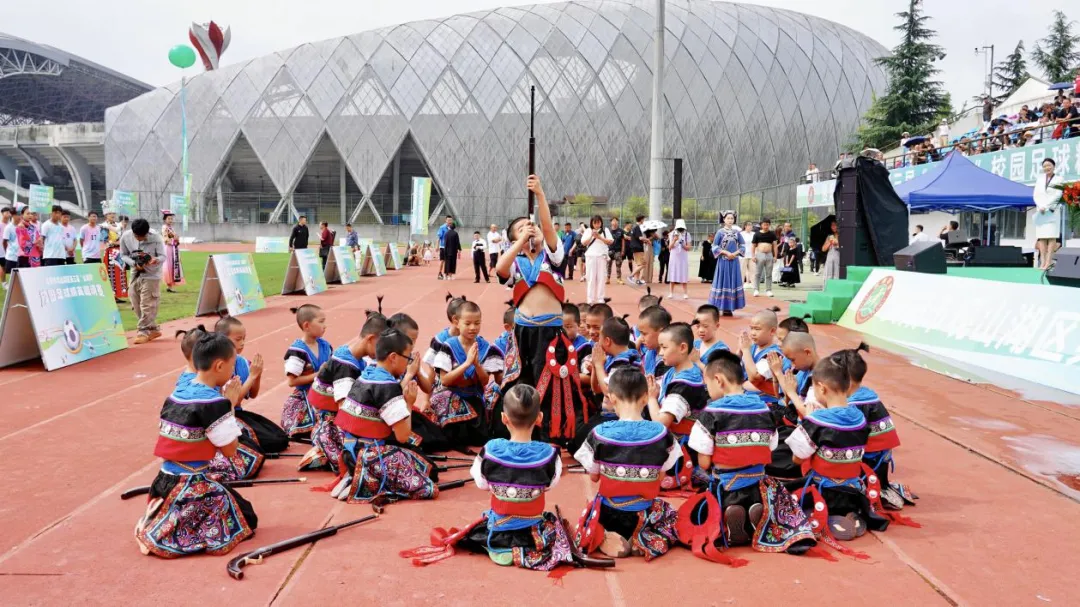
615 250
1070 117
299 237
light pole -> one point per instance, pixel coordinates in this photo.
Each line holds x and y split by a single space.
988 50
656 165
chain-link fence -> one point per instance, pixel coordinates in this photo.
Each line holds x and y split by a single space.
702 214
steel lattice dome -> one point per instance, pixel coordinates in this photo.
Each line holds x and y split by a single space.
753 94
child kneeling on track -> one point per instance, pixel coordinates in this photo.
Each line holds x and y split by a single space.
375 423
518 472
188 511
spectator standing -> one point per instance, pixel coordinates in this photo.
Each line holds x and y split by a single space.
580 250
494 243
615 251
51 239
663 255
707 264
812 174
352 238
298 239
443 229
596 241
568 240
788 232
90 239
831 248
479 262
746 261
789 263
326 240
452 249
919 236
145 292
764 247
636 246
10 240
70 233
628 255
679 244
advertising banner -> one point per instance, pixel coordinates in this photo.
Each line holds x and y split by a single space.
41 200
62 314
393 257
1023 165
341 266
421 200
271 244
377 261
1031 331
231 283
305 273
126 203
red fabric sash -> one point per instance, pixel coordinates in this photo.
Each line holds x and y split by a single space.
562 388
741 457
180 451
702 538
362 427
507 508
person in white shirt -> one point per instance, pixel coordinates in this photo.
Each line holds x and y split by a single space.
70 233
479 263
919 236
747 259
494 242
90 239
8 243
53 252
596 239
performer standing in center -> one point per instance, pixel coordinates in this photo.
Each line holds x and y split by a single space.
540 355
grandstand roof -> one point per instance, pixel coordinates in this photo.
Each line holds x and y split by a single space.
41 84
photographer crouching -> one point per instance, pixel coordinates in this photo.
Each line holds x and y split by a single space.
145 252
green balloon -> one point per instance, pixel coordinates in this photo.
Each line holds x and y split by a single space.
182 56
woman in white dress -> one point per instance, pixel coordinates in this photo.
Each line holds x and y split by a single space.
1047 213
596 241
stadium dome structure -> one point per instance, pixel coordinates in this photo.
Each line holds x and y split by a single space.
751 96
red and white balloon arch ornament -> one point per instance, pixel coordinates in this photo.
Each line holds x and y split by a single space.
210 41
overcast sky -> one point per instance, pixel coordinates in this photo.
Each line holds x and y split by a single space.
133 36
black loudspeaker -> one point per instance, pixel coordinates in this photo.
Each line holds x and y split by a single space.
925 257
995 257
1066 270
855 249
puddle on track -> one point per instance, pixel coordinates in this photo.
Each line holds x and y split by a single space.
1050 458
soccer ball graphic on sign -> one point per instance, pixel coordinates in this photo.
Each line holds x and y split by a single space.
72 337
239 295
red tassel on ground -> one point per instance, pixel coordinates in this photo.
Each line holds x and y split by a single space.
557 574
342 473
821 553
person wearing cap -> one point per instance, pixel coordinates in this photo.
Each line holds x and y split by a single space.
173 271
679 243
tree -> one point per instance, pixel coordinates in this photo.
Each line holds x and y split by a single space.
1059 52
915 102
1010 73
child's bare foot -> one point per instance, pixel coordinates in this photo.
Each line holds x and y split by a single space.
615 545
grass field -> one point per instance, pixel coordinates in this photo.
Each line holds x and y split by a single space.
269 266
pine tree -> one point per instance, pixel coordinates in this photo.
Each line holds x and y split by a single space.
1010 73
915 102
1059 52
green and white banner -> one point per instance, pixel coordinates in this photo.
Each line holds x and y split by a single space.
394 256
1023 165
231 283
305 273
341 266
421 199
62 314
377 260
271 244
1031 331
41 200
126 203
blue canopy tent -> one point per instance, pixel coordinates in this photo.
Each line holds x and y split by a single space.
957 185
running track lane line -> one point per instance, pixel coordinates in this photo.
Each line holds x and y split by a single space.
138 385
283 590
936 584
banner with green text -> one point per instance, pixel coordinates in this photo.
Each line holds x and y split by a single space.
1030 331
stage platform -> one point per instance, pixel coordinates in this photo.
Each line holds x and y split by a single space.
1027 276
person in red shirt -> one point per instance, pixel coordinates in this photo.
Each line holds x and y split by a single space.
326 240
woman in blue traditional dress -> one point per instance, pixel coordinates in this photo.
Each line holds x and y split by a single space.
727 288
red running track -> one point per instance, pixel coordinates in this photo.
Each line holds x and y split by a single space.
997 476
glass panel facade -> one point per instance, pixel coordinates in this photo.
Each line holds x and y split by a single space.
752 95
